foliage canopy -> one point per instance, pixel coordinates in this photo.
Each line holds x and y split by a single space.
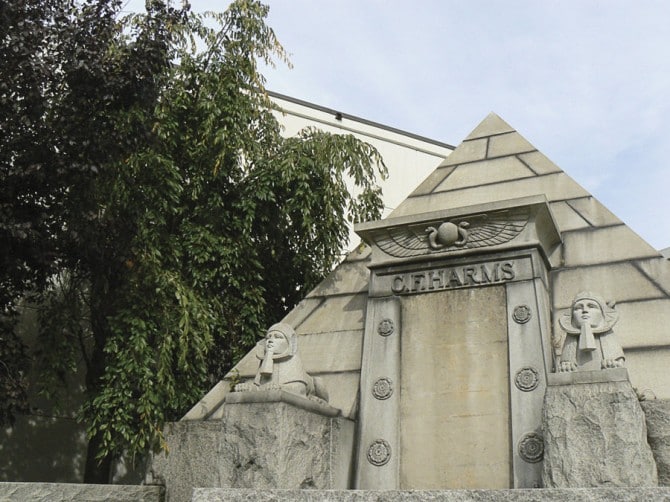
151 207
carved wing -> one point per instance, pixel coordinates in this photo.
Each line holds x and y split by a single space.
495 228
482 230
402 242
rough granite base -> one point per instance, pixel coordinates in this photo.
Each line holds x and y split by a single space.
657 413
259 443
595 436
67 492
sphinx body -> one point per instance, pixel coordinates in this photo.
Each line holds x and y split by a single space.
590 343
281 367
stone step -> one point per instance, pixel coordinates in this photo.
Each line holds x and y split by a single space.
522 495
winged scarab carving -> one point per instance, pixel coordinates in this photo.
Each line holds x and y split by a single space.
481 230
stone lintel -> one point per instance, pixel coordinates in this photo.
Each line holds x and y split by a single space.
512 224
281 396
447 272
587 377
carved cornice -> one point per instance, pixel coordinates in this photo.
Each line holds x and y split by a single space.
515 223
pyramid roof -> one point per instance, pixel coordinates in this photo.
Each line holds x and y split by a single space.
495 163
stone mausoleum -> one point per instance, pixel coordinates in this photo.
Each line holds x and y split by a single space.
501 329
500 336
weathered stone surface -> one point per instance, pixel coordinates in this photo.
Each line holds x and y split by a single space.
659 269
272 445
302 311
349 277
603 245
649 370
259 445
332 352
644 324
594 212
566 217
67 492
548 495
492 124
339 313
191 461
622 281
539 163
433 180
468 151
595 435
657 413
486 171
557 186
209 404
454 400
359 253
508 144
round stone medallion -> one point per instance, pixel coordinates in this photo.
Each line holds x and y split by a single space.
382 388
385 327
379 452
522 314
527 379
531 447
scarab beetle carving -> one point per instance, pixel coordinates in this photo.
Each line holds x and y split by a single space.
448 234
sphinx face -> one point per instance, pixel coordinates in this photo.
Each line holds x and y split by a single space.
587 311
276 342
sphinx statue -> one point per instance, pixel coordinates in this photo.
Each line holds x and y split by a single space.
590 343
280 366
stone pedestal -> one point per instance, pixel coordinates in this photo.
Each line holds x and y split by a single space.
594 432
265 440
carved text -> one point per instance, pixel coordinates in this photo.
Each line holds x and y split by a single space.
455 277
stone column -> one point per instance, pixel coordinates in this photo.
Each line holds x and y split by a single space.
266 440
594 432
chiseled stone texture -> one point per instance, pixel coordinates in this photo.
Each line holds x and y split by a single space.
191 459
657 413
595 435
276 445
524 495
67 492
259 445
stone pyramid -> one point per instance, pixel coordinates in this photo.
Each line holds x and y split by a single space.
494 163
599 251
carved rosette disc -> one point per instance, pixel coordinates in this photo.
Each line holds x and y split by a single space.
379 452
386 327
527 379
382 388
531 447
522 314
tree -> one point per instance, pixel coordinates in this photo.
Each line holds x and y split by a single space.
168 221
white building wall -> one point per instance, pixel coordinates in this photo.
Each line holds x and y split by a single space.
409 158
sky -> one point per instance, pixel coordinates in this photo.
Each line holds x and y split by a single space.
587 82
